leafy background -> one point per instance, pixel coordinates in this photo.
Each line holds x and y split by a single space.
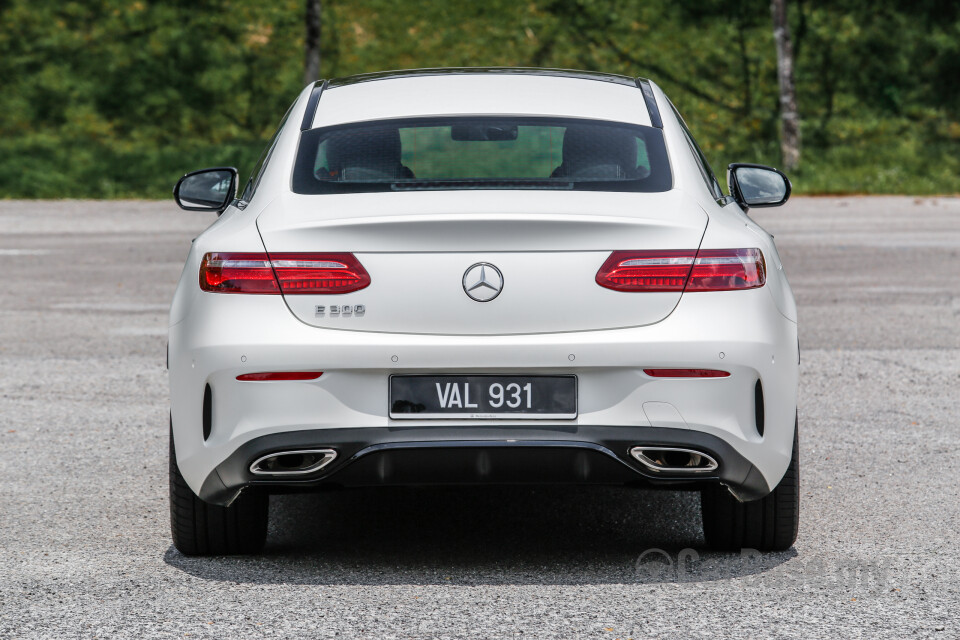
111 98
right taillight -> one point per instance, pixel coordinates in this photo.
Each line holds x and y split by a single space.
286 273
706 270
727 270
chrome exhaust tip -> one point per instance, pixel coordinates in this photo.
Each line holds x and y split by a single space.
674 460
292 463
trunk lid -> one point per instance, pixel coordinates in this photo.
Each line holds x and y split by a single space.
418 248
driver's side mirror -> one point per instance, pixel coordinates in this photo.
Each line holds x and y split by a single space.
757 185
207 189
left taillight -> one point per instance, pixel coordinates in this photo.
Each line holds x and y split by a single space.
286 273
237 273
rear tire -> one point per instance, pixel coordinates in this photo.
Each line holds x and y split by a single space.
203 529
768 524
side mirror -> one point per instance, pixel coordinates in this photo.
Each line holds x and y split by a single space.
207 189
756 185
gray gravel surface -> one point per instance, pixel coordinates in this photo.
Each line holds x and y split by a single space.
83 488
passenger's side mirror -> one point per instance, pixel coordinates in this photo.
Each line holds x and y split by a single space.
207 189
756 185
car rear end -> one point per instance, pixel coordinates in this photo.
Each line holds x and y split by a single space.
384 325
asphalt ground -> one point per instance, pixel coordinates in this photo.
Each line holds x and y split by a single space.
85 547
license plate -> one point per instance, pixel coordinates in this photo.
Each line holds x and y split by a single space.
483 397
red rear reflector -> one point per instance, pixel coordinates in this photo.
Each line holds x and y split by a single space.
686 373
706 270
289 273
280 375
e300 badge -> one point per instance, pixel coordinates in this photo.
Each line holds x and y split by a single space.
341 310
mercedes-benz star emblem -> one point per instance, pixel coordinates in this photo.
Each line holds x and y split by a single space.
483 282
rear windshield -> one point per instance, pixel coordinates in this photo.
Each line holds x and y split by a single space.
481 153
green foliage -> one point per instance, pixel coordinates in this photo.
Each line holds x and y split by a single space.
117 98
45 167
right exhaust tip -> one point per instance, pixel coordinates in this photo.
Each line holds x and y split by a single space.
674 460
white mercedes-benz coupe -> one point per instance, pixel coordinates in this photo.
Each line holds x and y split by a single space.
472 276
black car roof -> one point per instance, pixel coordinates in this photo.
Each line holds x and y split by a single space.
531 71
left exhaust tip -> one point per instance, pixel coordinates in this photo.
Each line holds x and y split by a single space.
292 463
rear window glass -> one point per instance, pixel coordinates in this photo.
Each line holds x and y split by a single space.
481 153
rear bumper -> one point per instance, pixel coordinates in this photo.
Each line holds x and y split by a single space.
224 336
482 455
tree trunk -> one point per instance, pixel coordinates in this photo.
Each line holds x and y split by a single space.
747 107
789 118
311 61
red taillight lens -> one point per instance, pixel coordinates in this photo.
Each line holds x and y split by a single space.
706 270
319 273
727 270
686 373
287 273
237 273
280 375
646 270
